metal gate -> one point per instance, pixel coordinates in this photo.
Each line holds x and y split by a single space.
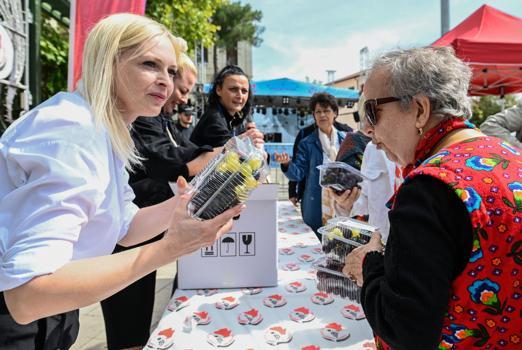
14 63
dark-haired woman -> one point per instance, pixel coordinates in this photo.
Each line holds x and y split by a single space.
229 103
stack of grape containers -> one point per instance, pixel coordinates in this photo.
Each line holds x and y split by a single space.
228 179
340 236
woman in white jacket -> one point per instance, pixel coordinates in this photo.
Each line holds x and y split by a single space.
64 195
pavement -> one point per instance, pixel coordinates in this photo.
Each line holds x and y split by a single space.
92 327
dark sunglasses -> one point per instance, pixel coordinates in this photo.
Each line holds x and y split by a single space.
370 108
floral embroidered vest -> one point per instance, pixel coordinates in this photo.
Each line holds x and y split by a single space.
484 311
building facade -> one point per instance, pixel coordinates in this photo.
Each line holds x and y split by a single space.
353 81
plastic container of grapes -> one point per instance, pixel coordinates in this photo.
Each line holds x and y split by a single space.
330 279
339 176
228 179
341 235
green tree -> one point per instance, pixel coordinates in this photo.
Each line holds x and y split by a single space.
54 50
236 23
484 106
189 19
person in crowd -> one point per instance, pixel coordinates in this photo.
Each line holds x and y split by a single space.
64 195
321 146
450 275
350 152
167 155
250 124
229 104
352 149
185 117
381 178
507 125
296 189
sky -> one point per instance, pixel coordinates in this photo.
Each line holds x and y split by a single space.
304 38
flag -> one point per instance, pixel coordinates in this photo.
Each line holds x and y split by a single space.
84 15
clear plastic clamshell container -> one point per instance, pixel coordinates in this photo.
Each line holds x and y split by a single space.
339 176
341 235
330 279
228 179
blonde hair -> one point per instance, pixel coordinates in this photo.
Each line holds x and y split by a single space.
185 63
107 41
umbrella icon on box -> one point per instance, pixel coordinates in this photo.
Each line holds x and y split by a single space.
228 240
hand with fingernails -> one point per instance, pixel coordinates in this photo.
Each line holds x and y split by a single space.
282 158
187 234
344 202
353 266
256 136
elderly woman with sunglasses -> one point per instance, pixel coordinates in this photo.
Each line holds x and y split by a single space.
450 275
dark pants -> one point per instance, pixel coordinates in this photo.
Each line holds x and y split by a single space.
51 333
128 313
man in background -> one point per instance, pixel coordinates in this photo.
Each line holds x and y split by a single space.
185 117
506 124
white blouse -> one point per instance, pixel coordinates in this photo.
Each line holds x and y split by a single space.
377 189
64 193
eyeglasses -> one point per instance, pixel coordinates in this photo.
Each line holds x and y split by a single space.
370 108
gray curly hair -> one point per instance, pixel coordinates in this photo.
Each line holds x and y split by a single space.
431 71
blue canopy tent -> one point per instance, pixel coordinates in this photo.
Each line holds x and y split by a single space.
293 93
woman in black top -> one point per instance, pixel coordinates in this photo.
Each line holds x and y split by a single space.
229 103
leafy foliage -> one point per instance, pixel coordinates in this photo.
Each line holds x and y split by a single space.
237 23
189 19
197 21
484 106
54 50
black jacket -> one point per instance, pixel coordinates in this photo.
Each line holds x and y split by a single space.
216 127
164 160
185 132
405 293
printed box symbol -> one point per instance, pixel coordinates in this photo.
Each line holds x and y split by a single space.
210 251
228 246
247 243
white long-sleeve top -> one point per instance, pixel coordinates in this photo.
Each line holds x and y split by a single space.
377 189
64 193
506 124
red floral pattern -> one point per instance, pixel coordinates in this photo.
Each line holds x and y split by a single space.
486 302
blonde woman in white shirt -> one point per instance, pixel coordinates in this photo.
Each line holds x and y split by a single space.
64 197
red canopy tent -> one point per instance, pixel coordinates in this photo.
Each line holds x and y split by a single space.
490 41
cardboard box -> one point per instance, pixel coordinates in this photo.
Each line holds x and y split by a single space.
244 257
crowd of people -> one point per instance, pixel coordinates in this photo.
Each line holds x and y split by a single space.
88 214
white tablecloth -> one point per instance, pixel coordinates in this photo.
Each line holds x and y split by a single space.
175 327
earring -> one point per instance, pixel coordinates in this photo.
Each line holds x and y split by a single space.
420 131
